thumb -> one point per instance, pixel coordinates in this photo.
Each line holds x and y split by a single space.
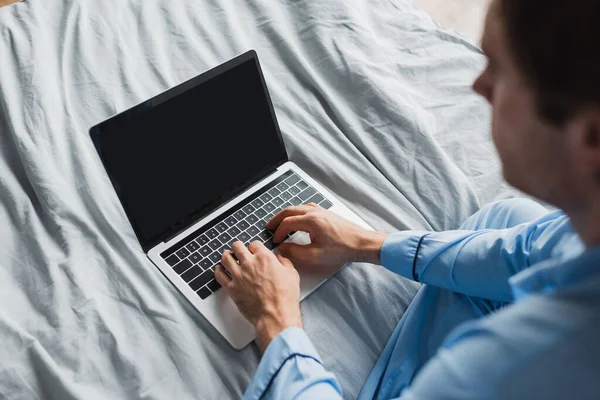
301 252
285 261
289 250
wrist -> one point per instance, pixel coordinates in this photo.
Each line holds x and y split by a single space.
268 327
368 247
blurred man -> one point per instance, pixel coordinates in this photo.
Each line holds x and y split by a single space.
510 306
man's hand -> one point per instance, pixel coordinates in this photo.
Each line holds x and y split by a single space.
334 240
265 288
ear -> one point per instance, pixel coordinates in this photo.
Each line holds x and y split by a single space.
584 132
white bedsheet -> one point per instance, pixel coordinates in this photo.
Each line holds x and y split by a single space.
373 99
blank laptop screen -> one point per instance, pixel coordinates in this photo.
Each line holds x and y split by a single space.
180 159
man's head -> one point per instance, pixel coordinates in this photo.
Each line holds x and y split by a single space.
543 81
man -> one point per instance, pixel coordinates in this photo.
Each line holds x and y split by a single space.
510 306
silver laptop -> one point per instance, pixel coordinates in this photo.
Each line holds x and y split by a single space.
201 166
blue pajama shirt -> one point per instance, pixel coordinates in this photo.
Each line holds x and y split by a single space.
510 308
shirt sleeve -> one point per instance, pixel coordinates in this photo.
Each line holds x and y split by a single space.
475 263
292 369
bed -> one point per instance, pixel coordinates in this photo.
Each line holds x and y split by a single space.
374 100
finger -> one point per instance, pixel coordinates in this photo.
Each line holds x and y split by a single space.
286 212
256 246
298 252
313 204
222 277
230 264
292 224
286 262
240 251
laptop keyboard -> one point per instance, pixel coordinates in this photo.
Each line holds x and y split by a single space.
195 257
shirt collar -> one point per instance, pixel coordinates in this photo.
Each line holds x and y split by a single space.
552 275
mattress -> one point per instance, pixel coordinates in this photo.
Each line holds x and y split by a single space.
374 101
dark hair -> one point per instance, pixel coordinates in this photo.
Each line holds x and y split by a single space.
557 45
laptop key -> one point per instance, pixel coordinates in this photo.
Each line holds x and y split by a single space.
260 224
224 238
248 209
286 204
307 194
195 257
239 214
191 273
294 190
269 207
230 221
205 264
222 249
182 266
251 219
172 259
243 237
231 242
233 231
302 185
213 285
196 283
295 201
326 204
206 277
182 253
205 251
221 227
282 186
265 235
292 180
317 198
286 196
214 257
265 197
274 192
269 244
277 201
202 240
243 225
215 244
260 213
192 246
212 233
204 293
257 203
252 231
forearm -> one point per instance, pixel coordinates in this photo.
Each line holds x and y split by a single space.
476 263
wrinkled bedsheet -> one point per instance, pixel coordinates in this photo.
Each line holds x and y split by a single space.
373 99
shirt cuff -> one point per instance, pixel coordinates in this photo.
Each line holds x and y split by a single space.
398 252
289 343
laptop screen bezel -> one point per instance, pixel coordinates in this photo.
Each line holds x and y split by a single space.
147 106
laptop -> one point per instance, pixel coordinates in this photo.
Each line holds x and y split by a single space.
200 166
